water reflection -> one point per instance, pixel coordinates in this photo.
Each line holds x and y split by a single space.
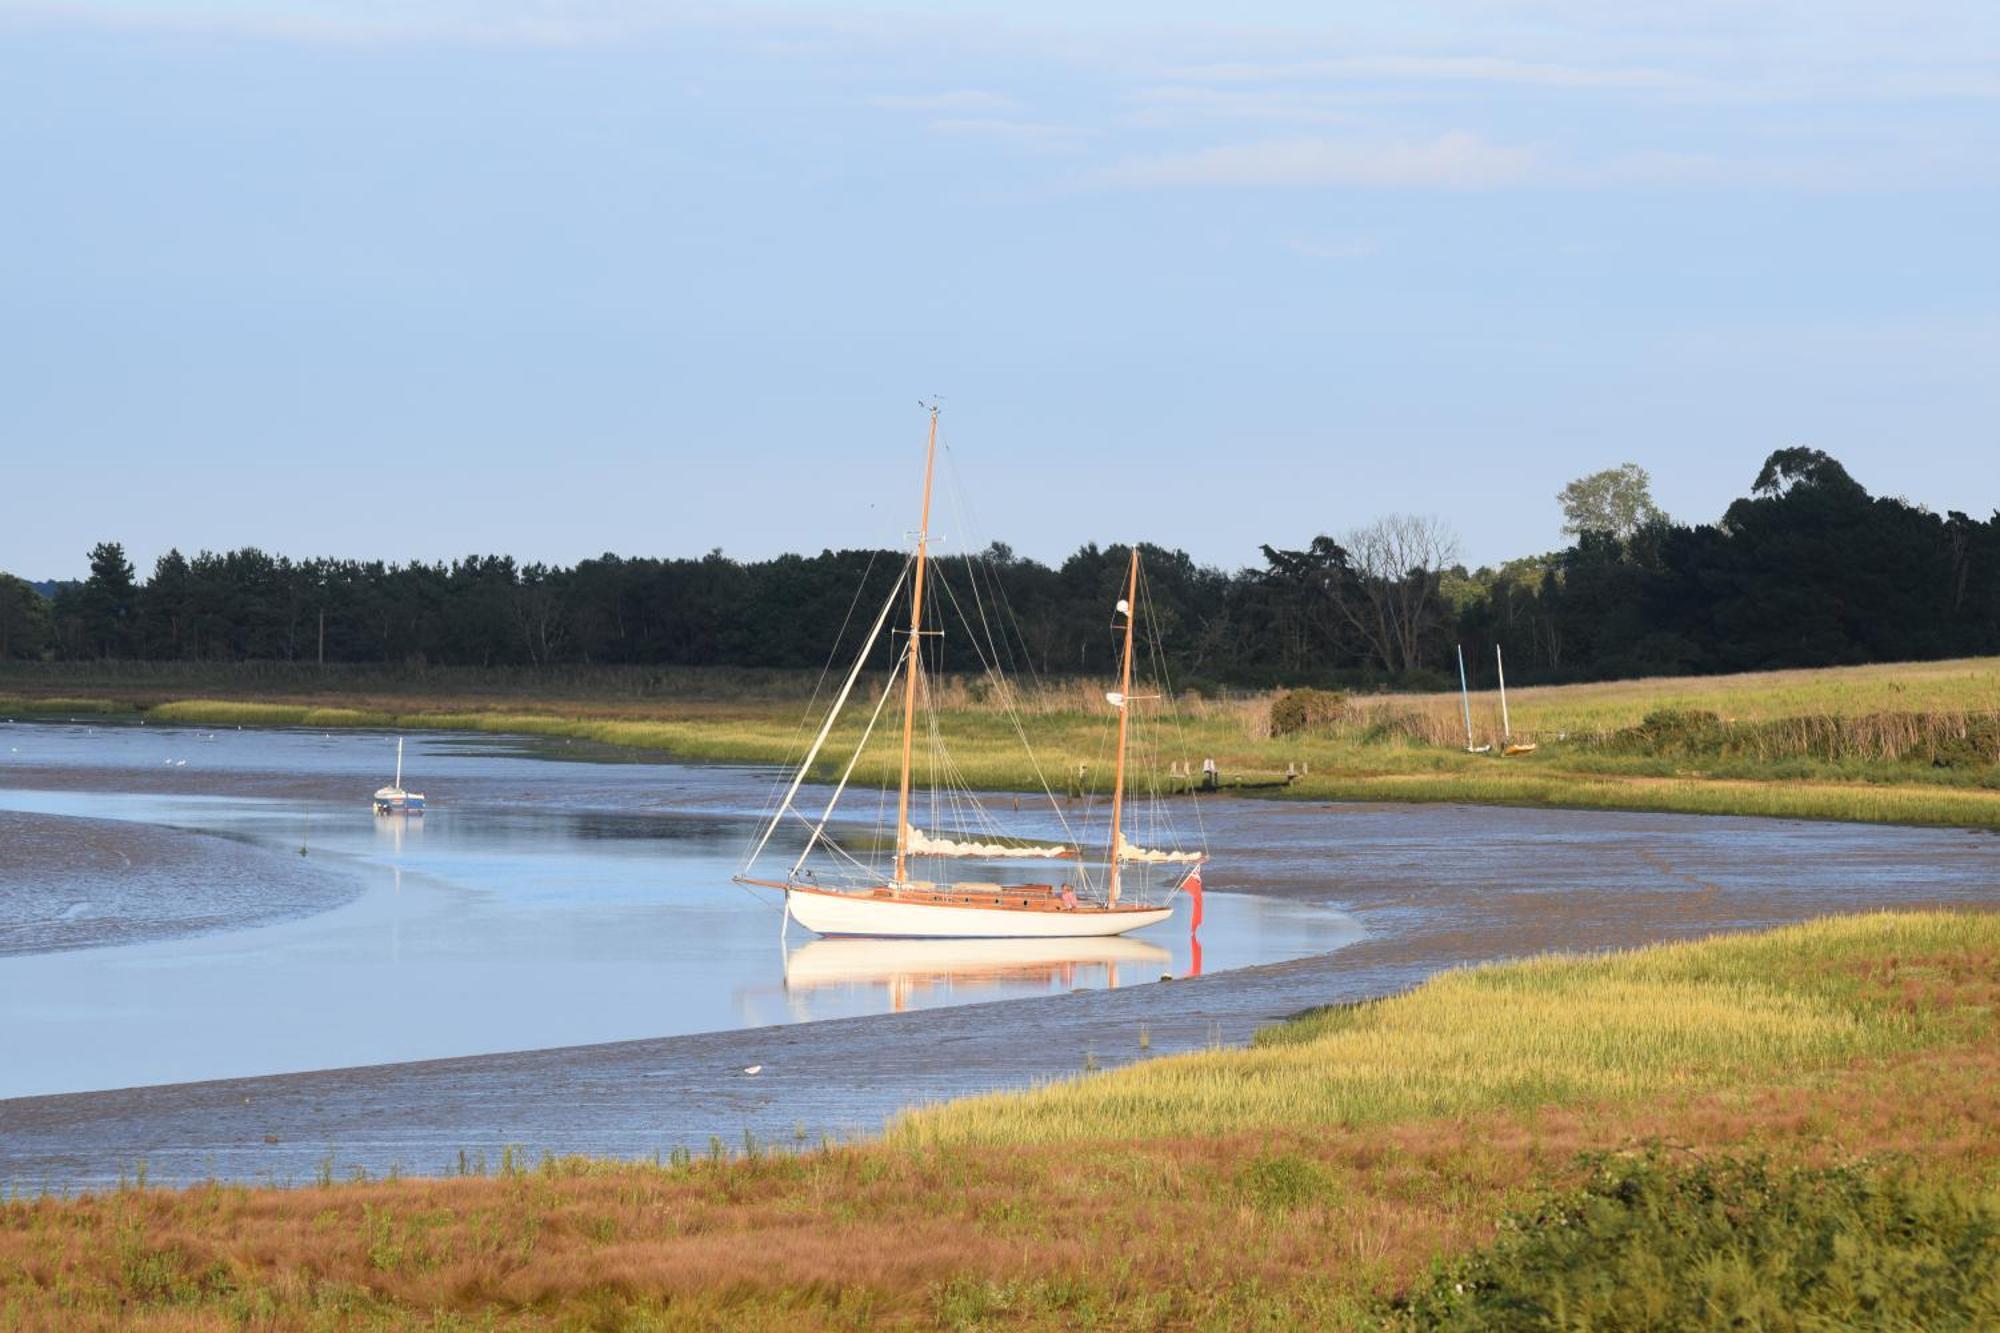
391 830
918 973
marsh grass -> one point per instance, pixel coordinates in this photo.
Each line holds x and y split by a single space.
1909 743
1662 1021
56 705
1959 687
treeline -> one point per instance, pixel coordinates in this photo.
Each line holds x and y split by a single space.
1806 570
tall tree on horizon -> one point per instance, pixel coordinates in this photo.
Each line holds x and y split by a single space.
1617 501
106 602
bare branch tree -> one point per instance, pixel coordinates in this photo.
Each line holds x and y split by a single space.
1396 562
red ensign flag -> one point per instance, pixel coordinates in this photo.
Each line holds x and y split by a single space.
1193 885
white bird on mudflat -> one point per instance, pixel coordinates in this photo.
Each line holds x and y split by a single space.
753 1070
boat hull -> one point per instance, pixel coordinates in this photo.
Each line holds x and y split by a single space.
828 913
393 801
853 960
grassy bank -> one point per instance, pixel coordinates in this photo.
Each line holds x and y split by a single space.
1914 743
1669 1020
1806 1117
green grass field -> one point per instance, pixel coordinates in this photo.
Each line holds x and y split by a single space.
1791 1130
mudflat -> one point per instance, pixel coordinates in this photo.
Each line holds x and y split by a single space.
79 883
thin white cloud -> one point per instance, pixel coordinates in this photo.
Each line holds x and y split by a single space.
1453 161
1452 69
1806 172
1463 161
1334 247
1026 135
963 101
1177 105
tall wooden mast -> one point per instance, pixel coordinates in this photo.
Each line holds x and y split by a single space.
915 661
1131 605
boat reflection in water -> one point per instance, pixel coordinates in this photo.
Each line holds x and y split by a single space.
914 972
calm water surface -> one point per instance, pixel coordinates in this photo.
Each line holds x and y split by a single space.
543 901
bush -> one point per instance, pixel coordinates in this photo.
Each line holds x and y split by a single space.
1732 1245
1685 732
1281 1182
1296 712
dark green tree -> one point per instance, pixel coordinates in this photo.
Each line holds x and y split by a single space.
24 620
106 603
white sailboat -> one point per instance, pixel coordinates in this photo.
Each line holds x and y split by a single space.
855 897
1465 705
1508 745
392 799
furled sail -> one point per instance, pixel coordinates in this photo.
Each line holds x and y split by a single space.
922 845
1128 851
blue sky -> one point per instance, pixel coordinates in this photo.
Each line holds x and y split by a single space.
422 279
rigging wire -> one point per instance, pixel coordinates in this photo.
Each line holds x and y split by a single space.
1009 712
1001 645
848 772
826 728
799 729
1164 674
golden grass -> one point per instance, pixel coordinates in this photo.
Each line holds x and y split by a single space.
1964 685
56 705
1869 1035
1666 1020
215 712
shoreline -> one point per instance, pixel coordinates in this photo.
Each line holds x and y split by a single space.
712 733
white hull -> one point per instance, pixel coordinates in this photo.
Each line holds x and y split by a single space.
396 801
852 914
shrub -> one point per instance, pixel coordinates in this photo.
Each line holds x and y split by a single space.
1734 1244
1685 731
1280 1182
1296 712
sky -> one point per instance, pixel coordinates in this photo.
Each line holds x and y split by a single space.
423 279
